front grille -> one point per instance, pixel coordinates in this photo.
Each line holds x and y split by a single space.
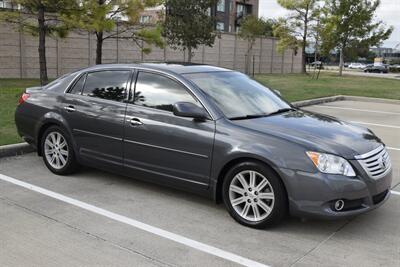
379 197
375 163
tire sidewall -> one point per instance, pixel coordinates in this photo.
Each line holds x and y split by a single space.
279 210
71 161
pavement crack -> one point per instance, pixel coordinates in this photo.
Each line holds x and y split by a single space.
321 243
153 260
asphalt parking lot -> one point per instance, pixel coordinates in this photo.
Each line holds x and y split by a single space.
95 218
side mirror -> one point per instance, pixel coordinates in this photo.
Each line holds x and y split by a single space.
189 110
278 92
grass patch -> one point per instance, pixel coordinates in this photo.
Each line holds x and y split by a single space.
295 87
10 90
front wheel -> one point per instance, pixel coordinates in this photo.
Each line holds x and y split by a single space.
254 195
58 154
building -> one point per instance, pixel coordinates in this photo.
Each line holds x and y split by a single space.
8 4
389 55
152 15
230 13
380 51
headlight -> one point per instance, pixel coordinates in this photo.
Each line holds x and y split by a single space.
331 164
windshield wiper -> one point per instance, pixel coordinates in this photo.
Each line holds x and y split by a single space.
254 116
281 110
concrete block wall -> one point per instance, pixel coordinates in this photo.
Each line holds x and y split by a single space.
19 54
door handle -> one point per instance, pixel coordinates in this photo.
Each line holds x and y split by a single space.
69 108
136 122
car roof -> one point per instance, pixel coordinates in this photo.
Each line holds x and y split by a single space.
172 67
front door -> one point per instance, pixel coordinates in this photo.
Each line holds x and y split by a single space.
161 144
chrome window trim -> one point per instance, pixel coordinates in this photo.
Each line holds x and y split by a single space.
136 69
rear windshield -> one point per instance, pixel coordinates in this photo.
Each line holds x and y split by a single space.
61 81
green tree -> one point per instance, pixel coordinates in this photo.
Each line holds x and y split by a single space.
350 24
188 24
295 29
40 18
269 25
102 16
250 28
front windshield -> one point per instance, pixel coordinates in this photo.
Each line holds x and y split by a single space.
237 95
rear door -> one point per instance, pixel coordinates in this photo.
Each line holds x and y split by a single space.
161 144
95 109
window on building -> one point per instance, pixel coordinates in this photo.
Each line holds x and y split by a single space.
243 10
109 85
145 19
221 6
159 92
240 10
209 12
220 26
8 4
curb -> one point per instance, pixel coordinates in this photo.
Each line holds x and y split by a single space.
15 150
372 99
317 101
322 100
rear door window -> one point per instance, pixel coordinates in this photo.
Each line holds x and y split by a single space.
110 84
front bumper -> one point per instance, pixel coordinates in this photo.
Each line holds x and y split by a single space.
314 194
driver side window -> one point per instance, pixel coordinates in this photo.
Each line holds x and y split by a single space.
160 92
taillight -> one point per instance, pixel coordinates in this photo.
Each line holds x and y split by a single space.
23 98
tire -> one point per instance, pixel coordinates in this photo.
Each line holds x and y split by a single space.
54 150
272 208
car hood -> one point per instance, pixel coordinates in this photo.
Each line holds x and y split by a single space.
316 132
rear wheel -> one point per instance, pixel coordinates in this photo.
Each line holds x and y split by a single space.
254 195
58 154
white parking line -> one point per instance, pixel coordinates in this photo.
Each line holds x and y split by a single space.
145 227
356 109
375 124
393 148
395 192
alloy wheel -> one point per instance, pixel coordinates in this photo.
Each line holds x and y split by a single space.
251 195
56 150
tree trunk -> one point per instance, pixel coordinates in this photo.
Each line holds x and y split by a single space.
303 49
99 47
190 55
42 46
303 60
304 43
248 58
341 62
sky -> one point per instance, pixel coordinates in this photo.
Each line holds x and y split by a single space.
388 12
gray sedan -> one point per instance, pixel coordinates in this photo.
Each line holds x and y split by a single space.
210 131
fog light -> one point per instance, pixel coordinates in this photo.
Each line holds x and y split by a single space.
339 205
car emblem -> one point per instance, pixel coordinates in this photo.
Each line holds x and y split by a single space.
382 163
